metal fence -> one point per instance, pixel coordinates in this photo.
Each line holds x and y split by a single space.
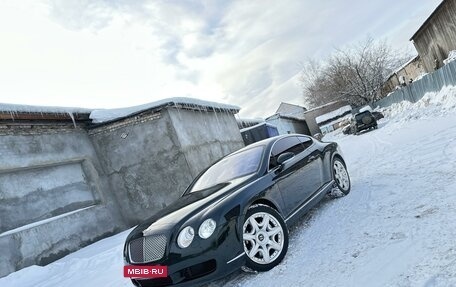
433 82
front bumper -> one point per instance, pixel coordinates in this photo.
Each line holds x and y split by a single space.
194 275
202 262
361 127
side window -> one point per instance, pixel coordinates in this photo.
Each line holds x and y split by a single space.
289 144
306 141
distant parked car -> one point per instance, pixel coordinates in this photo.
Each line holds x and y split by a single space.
238 211
258 132
347 129
378 115
363 121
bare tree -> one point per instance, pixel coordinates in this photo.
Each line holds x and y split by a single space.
355 74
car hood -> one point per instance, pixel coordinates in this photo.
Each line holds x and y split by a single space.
185 207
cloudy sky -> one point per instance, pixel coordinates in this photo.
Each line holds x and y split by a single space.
117 53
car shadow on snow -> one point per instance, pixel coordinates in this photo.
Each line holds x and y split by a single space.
238 277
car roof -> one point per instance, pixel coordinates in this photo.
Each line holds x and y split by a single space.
363 112
266 142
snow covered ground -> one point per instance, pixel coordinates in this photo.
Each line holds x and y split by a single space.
397 227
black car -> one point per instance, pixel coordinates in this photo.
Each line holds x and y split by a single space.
378 115
237 212
347 130
363 121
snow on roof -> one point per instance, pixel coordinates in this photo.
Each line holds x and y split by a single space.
100 116
334 114
406 64
299 117
286 108
365 108
257 125
397 70
322 106
16 109
339 120
250 121
104 115
291 111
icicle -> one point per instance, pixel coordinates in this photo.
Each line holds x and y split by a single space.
227 113
178 110
216 118
203 116
72 118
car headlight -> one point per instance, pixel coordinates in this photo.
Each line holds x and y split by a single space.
185 237
207 228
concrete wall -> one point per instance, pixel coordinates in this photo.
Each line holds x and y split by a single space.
149 162
64 188
437 37
144 163
412 70
51 187
205 137
312 114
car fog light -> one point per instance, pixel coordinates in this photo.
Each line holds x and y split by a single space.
207 228
185 237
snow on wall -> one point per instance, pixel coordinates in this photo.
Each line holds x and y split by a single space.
336 113
431 104
100 116
451 57
430 83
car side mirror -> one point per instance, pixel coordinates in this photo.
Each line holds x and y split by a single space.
284 157
318 136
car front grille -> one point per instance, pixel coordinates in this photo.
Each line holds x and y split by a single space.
147 249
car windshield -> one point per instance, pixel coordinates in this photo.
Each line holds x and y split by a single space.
361 115
234 166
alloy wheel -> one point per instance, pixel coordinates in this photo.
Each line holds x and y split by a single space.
341 175
263 238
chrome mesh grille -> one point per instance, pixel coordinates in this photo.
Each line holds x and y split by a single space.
154 247
136 250
147 249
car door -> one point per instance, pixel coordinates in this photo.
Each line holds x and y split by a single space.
299 177
315 159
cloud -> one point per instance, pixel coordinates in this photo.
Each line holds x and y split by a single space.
125 52
77 15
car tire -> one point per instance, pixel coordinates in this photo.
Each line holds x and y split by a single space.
341 176
260 237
